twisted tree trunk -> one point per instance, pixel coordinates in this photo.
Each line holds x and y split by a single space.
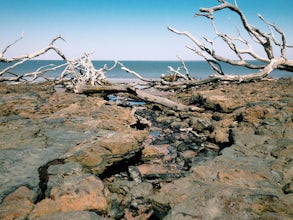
268 41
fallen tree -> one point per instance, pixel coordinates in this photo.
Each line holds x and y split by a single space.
265 65
79 71
7 73
81 76
267 41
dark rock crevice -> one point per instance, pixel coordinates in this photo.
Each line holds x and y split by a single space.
122 166
44 178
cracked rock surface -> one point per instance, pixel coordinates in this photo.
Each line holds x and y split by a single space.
69 156
39 126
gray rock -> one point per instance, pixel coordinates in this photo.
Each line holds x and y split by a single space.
178 124
134 174
60 173
288 188
30 147
142 190
201 124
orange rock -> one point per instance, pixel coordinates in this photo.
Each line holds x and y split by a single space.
88 194
238 177
17 204
221 135
155 151
103 152
157 170
189 154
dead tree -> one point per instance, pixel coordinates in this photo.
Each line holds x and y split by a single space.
80 71
83 77
7 73
205 49
268 41
83 73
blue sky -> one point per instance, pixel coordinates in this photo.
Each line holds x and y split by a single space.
125 29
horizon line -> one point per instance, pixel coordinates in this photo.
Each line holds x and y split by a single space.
107 60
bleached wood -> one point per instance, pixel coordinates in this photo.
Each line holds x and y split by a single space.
266 40
51 46
146 96
135 73
185 68
85 78
164 101
18 60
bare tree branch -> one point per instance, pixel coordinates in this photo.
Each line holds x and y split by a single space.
140 94
213 54
39 73
283 45
51 46
84 72
184 67
23 58
175 74
135 73
7 47
266 40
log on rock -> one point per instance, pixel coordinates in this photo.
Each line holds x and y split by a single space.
87 89
165 102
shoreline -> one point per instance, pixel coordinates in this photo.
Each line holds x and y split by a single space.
147 69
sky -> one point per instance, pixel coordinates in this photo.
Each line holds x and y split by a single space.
127 29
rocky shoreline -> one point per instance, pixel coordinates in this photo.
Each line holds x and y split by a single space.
69 156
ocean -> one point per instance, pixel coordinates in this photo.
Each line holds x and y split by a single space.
148 69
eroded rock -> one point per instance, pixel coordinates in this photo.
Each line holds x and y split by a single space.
232 161
18 204
77 193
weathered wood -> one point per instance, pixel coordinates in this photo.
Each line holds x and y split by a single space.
85 78
268 42
136 74
18 60
25 57
84 72
164 101
86 89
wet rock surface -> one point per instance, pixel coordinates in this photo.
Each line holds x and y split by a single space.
68 156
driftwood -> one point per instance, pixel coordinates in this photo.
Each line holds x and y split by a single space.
80 71
10 76
81 75
140 94
268 42
84 72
